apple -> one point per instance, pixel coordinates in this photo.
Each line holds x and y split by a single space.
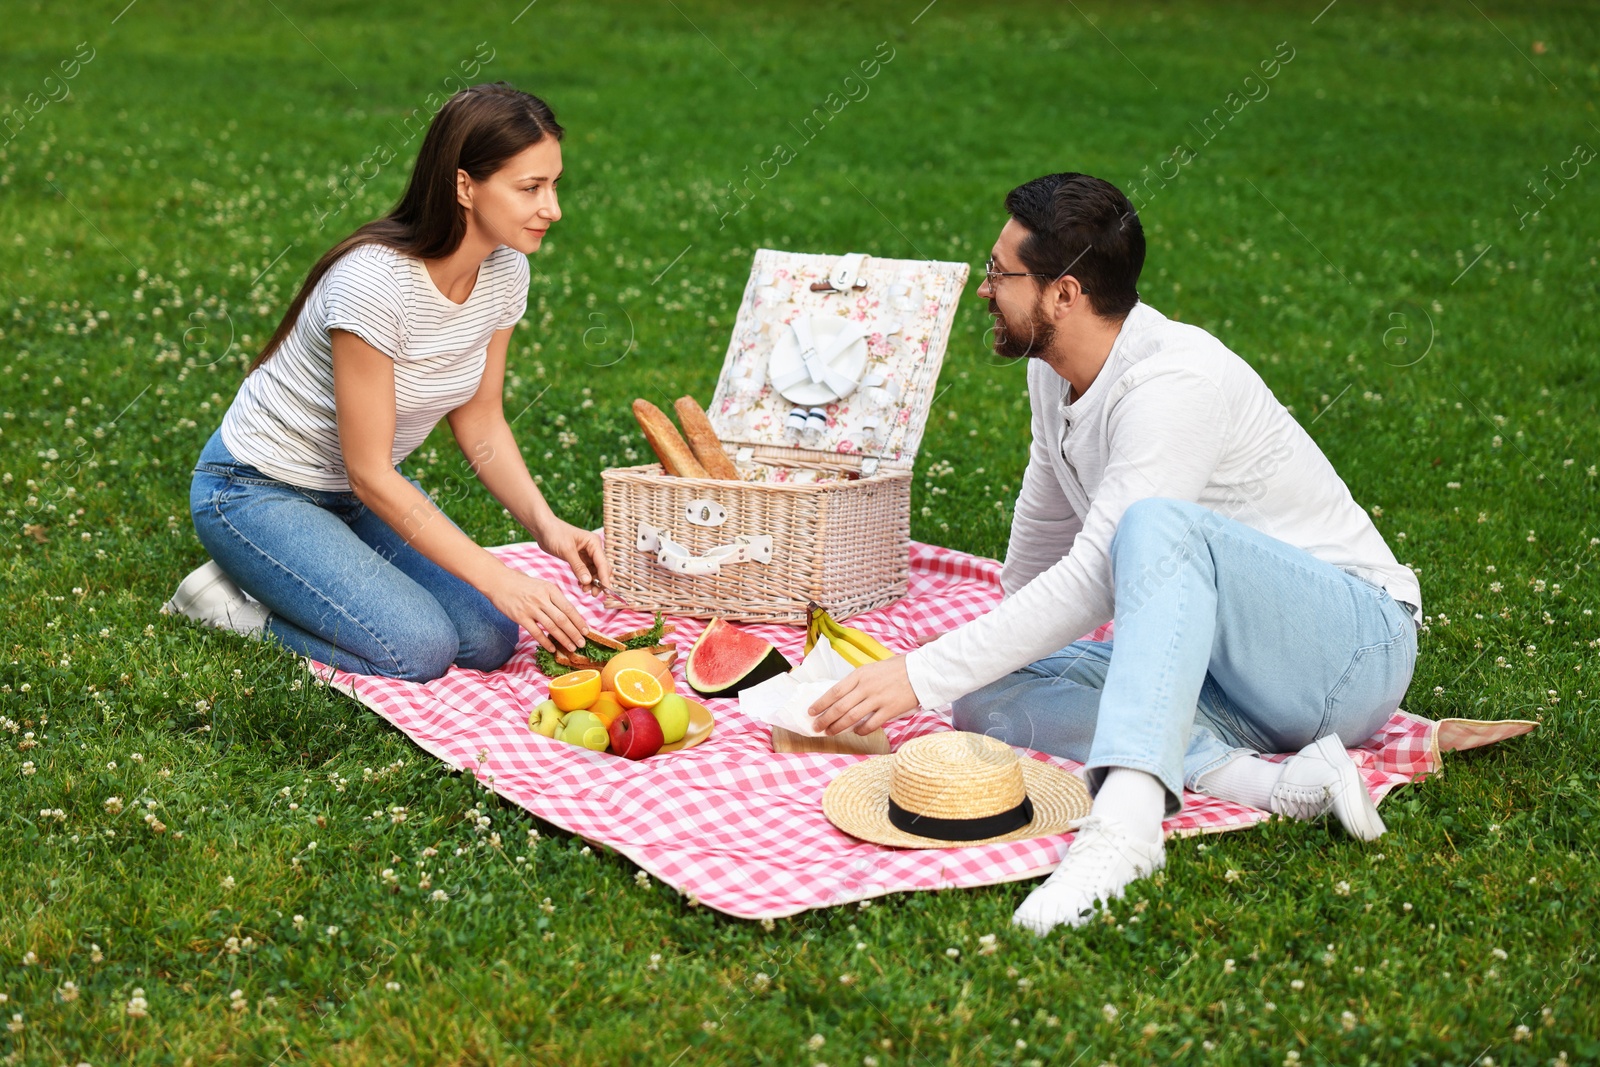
636 734
546 719
672 712
583 728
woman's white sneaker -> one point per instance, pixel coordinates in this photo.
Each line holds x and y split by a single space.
211 598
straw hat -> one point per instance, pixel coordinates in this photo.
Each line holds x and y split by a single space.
958 789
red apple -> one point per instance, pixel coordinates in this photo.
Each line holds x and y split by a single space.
636 734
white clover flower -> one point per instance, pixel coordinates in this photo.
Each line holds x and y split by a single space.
815 1042
228 882
299 922
1498 953
655 962
333 931
952 952
95 955
1228 967
393 987
236 1001
68 992
987 946
113 805
29 959
1110 1012
439 896
137 1007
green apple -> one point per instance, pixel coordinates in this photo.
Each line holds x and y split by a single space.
672 712
584 728
546 719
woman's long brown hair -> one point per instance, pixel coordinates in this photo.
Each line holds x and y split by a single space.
477 130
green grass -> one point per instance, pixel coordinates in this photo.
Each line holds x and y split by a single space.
200 142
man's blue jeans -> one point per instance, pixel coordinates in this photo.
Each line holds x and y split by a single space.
1227 642
342 586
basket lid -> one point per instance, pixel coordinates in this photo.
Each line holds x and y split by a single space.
837 354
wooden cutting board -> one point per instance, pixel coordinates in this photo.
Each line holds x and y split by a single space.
873 744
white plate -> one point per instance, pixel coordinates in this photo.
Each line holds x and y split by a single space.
851 362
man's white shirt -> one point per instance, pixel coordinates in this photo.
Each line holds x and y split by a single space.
1173 414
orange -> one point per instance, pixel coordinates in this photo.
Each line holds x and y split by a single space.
606 708
576 690
638 689
638 659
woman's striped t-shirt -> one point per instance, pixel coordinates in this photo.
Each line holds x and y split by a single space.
283 421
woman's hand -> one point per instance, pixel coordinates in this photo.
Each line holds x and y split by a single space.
867 698
582 551
540 608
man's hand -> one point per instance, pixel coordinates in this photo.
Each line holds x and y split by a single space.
869 697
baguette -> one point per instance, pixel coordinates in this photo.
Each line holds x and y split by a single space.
669 446
703 439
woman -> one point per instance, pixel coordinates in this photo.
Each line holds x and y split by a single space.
315 536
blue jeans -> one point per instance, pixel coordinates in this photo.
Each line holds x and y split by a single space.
341 585
1227 642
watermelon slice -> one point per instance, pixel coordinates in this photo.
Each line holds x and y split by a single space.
727 659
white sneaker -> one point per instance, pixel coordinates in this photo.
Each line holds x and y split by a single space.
211 598
1100 863
1322 777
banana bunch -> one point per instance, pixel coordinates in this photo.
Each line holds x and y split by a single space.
856 648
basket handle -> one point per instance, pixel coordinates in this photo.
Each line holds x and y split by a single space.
673 556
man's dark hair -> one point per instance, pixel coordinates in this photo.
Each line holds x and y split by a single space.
1085 227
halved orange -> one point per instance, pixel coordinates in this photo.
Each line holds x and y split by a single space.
575 690
638 658
637 688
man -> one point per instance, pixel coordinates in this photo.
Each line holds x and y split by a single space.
1257 609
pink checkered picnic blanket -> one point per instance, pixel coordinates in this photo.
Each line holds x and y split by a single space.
739 828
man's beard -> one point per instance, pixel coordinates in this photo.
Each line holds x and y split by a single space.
1009 345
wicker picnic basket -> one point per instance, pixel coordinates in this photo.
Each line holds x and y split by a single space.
821 404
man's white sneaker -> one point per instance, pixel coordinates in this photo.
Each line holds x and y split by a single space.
210 597
1322 777
1100 863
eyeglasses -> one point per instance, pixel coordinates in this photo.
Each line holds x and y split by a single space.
990 274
